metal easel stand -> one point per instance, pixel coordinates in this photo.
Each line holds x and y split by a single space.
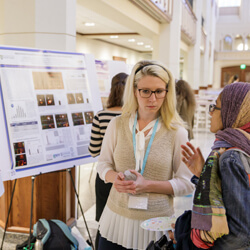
79 203
31 209
7 220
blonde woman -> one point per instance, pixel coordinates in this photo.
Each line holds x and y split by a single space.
145 140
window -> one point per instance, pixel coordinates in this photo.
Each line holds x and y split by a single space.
238 43
191 3
227 44
229 3
247 43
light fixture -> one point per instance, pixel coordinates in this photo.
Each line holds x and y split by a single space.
131 40
114 37
140 43
147 46
89 24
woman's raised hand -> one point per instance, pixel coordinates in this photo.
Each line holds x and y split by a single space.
193 158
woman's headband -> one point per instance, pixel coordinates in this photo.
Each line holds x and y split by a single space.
140 68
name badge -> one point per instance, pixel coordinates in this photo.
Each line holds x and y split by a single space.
138 201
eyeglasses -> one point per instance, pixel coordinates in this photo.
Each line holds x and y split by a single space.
159 93
212 108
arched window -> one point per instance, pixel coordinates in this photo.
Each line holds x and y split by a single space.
227 43
247 43
238 43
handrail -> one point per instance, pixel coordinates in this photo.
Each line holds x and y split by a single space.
160 10
188 23
188 6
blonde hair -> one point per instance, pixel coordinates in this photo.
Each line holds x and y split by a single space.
144 68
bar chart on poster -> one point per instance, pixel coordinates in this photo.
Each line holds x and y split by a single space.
47 103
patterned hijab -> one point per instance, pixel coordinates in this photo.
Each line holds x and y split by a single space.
209 220
235 114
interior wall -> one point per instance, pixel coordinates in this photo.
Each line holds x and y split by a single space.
233 24
105 51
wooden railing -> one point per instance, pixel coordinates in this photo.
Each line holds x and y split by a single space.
188 23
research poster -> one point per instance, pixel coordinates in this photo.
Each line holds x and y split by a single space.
106 70
48 105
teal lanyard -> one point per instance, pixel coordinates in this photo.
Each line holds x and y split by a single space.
149 144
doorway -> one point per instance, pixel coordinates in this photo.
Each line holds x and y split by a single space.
228 72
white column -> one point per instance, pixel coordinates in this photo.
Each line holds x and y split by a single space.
167 43
205 80
211 60
41 24
194 56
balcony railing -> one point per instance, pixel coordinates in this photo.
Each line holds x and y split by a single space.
160 10
232 55
188 24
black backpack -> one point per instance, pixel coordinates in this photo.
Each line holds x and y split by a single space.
55 235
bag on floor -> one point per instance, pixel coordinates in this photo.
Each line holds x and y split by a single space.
162 243
55 235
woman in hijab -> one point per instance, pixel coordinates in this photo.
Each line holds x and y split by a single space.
220 218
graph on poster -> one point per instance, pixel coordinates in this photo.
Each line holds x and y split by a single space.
18 112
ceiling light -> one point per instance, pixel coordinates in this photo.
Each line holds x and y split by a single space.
131 40
113 37
89 24
140 43
147 46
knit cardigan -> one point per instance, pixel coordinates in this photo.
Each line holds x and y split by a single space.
158 167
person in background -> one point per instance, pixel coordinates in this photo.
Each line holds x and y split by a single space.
99 126
220 219
233 79
141 157
186 105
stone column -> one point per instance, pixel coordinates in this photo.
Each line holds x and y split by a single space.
41 24
194 55
167 43
208 28
211 59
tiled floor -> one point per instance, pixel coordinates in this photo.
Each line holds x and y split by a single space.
86 187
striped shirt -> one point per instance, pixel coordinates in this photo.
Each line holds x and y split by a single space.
99 126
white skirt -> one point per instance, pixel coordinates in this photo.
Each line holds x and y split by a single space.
126 232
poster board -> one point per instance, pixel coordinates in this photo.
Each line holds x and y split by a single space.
47 103
106 70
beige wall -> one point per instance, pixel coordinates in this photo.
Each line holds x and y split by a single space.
231 25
